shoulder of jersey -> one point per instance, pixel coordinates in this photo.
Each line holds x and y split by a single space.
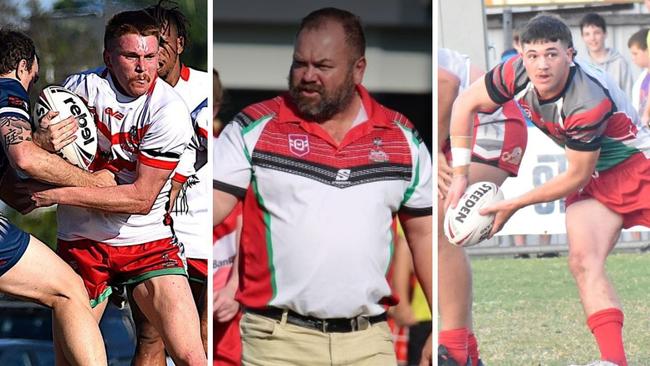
92 76
396 117
263 108
165 94
199 76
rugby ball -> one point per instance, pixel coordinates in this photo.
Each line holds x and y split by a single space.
464 226
81 151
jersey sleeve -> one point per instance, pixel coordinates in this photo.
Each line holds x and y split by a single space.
232 169
505 80
201 119
14 103
585 125
194 157
166 137
185 167
418 197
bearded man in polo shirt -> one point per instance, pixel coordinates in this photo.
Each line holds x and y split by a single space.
322 172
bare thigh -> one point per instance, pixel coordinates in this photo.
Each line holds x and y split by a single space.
40 276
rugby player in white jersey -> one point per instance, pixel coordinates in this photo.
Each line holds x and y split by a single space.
187 206
119 235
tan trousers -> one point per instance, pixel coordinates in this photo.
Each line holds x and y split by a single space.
267 342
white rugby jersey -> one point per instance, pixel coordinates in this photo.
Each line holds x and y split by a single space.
190 213
153 130
317 215
457 64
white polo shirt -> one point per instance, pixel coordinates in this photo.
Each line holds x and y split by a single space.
317 215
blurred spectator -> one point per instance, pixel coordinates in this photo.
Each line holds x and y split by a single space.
226 336
217 97
639 51
594 32
638 45
516 46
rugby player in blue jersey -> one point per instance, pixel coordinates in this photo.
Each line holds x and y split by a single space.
28 268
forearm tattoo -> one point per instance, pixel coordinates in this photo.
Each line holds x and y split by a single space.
14 131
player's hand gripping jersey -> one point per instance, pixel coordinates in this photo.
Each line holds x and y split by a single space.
591 113
153 130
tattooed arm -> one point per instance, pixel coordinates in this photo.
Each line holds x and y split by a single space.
29 159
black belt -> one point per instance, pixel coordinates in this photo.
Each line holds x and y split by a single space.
331 325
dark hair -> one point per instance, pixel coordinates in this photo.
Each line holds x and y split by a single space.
14 47
166 13
130 22
546 27
639 39
593 19
354 35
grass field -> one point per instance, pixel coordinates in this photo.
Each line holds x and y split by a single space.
527 311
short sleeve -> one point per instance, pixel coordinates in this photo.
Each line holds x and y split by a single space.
505 80
185 168
232 169
418 197
14 102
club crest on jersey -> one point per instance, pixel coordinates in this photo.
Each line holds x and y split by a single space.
299 144
131 141
376 153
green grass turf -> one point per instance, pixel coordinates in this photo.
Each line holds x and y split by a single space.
527 311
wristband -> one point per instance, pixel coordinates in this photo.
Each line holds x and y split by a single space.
460 156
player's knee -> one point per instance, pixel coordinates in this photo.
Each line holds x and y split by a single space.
72 293
579 263
150 338
190 358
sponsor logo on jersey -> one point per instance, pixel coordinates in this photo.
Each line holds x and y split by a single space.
514 156
343 174
299 144
115 114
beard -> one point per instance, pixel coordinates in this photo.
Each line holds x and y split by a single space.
329 102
